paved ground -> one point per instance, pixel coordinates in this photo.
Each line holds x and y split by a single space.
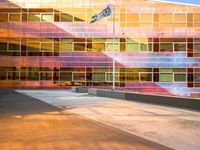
172 127
27 123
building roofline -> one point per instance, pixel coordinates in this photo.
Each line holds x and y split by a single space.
187 4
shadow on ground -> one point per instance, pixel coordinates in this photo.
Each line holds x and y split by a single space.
14 103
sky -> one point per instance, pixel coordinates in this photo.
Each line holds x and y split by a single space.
196 2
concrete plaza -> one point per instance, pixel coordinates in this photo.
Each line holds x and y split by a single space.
43 119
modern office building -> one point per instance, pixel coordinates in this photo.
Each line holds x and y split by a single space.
51 43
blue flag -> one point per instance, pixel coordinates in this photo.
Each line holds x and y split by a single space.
104 13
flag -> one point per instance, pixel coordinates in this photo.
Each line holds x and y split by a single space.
104 13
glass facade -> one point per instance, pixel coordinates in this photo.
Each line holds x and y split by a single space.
51 43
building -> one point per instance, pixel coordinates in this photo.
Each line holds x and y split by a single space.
51 43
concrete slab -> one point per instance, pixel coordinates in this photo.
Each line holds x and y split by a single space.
173 101
27 123
172 127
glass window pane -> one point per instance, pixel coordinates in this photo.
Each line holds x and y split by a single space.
150 47
47 17
46 46
23 75
179 47
33 75
98 47
144 47
66 47
66 76
133 17
66 17
111 47
180 77
3 75
34 17
13 75
99 40
46 76
180 17
197 46
166 47
79 17
33 46
197 17
79 46
4 17
166 70
146 17
14 17
98 77
3 47
145 77
14 47
166 77
134 77
166 17
197 77
79 76
132 47
109 77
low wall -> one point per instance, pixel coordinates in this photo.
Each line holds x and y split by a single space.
188 103
79 89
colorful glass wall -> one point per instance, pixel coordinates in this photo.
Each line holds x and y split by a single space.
51 43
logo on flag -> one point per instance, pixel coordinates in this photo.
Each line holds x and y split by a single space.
104 13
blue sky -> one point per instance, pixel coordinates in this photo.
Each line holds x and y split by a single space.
197 2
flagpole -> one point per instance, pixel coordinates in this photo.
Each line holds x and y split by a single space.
114 65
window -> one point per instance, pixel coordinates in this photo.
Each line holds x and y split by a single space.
98 47
112 47
79 46
190 18
197 77
66 17
197 47
132 77
146 17
4 17
3 47
133 17
46 46
33 46
47 17
3 75
132 47
78 76
197 17
144 47
14 17
65 76
46 76
180 17
166 17
166 77
34 17
180 77
101 40
179 47
13 75
14 47
33 75
145 77
109 76
166 47
80 17
98 77
66 47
